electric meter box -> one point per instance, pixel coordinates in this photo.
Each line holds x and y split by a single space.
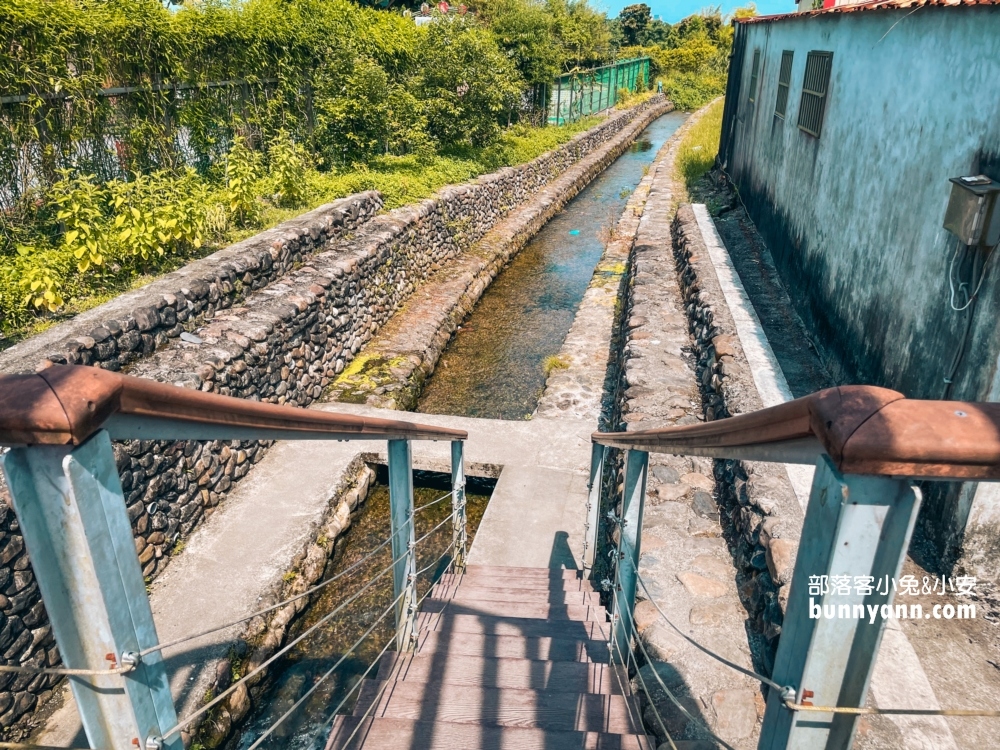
973 213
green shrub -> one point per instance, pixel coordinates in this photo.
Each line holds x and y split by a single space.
242 176
289 163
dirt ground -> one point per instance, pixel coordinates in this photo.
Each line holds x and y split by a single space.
961 658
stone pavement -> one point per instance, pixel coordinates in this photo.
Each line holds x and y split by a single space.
684 559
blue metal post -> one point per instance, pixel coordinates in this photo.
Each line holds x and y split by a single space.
597 456
71 512
855 526
404 573
458 515
636 464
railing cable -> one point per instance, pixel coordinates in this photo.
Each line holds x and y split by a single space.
786 692
433 502
670 694
327 674
614 644
378 695
354 566
281 652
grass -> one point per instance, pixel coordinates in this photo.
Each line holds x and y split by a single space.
553 363
700 145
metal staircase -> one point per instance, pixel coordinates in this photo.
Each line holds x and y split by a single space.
505 658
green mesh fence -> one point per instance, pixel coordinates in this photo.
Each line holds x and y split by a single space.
586 92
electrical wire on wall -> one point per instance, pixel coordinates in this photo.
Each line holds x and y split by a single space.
963 300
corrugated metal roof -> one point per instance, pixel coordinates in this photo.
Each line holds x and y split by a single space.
875 5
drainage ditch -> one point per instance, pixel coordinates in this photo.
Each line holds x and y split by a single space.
496 364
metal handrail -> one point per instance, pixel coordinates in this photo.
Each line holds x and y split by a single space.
65 405
863 429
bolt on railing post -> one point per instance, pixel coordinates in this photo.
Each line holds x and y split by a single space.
633 501
855 526
404 572
71 511
597 457
458 503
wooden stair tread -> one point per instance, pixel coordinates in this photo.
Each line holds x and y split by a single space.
502 572
464 704
454 669
516 626
507 583
403 734
532 610
465 593
514 646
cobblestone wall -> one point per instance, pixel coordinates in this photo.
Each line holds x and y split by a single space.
274 319
752 495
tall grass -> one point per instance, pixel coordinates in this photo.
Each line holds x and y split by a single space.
700 145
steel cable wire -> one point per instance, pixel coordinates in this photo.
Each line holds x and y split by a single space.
282 651
433 502
378 695
257 743
670 695
784 692
354 566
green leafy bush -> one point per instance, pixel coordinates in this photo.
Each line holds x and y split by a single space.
289 163
242 176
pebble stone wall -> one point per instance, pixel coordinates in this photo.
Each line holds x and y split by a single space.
761 515
275 319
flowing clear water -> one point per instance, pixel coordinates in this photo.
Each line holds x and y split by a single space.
494 365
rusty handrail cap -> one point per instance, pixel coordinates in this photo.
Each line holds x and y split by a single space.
864 430
64 405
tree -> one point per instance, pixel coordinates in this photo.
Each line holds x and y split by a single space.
634 19
466 83
582 33
524 29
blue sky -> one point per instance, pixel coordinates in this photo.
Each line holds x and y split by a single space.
673 11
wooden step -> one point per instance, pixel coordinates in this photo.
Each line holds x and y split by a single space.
466 593
505 582
537 610
512 625
514 647
483 706
405 734
508 570
453 669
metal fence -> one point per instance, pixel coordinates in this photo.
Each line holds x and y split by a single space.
587 92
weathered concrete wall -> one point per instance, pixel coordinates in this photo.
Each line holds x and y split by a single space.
853 218
320 293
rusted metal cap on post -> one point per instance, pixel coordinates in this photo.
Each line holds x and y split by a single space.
864 430
65 405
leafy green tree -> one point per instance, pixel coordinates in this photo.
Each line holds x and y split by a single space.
634 19
467 85
524 29
582 33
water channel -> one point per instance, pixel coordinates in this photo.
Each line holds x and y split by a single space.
493 367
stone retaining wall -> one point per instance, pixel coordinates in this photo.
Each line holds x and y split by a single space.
133 325
391 372
320 294
755 498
